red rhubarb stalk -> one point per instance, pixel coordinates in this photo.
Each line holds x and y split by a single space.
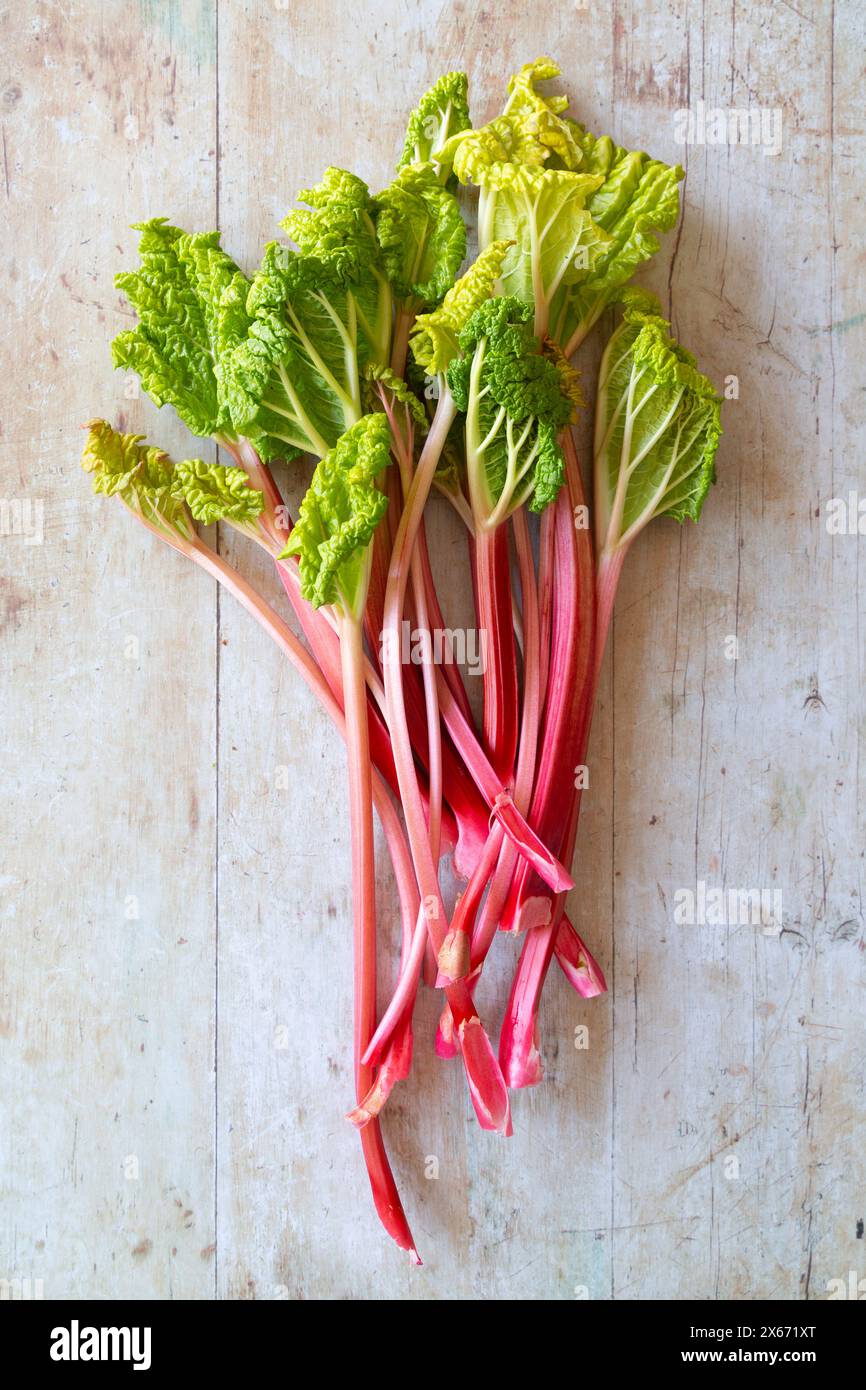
363 787
530 721
576 961
498 851
569 672
496 625
403 450
489 1096
384 1189
577 662
546 580
500 801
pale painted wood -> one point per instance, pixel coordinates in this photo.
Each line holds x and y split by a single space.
714 1044
731 1044
109 698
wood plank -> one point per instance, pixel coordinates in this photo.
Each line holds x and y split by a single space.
108 793
831 1184
731 1049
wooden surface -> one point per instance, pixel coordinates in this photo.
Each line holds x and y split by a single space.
174 918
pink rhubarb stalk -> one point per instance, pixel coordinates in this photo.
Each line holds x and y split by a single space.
498 851
489 1096
546 580
571 688
569 673
384 1189
364 787
396 1059
496 624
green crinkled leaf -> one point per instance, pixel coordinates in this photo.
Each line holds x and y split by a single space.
549 470
575 245
214 493
635 297
516 400
337 227
166 494
117 461
540 209
338 516
190 300
294 383
422 236
638 199
657 430
530 131
515 373
442 113
541 115
503 141
140 475
434 337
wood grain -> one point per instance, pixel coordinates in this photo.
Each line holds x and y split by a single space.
109 700
708 1144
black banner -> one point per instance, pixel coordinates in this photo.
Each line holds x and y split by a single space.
77 1339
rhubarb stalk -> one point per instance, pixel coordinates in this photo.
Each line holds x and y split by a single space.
489 1096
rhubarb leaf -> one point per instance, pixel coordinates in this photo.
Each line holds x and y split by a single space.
541 116
532 191
294 384
541 209
214 493
338 515
516 400
434 339
638 198
140 475
120 461
530 130
337 225
190 299
166 494
583 212
422 236
442 113
657 428
318 316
